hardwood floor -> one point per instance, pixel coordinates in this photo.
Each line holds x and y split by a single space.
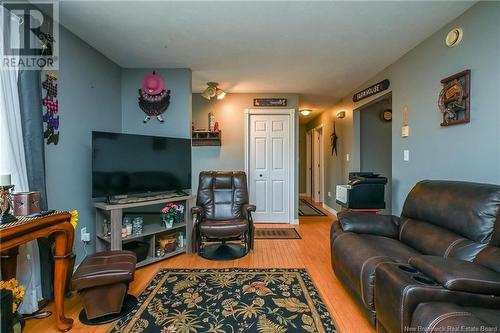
311 252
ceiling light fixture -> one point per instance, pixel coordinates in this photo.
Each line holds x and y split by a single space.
305 112
213 91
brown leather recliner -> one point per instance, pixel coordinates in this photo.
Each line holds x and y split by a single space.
392 264
222 212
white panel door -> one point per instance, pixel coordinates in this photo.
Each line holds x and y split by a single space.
269 167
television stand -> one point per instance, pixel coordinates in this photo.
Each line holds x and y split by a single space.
145 197
149 209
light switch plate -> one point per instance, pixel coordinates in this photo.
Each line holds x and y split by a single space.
347 157
329 194
405 131
406 155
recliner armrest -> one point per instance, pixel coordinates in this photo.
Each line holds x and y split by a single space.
197 210
249 208
459 275
368 223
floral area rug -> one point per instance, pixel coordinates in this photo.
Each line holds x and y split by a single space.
229 300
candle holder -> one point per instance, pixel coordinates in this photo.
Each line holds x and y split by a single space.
6 204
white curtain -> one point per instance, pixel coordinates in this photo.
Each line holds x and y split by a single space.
13 162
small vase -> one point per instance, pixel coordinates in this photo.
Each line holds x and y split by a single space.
168 222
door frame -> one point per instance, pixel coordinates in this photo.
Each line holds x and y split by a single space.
291 151
308 163
321 175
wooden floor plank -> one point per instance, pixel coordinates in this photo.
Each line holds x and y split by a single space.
311 252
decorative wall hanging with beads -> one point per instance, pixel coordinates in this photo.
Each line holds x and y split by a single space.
153 98
50 116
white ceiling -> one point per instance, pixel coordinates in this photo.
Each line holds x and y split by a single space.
321 50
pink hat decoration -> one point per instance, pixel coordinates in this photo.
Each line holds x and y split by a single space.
153 84
153 98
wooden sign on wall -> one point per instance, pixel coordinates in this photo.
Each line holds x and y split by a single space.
370 91
269 102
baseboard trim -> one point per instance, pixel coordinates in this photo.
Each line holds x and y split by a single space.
330 209
303 195
295 221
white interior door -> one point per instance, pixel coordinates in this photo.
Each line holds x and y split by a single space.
317 174
269 167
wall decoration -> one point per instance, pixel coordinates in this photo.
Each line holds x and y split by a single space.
269 102
153 98
372 90
334 139
386 115
454 99
51 104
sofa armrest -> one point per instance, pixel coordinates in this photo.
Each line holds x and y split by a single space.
368 223
459 275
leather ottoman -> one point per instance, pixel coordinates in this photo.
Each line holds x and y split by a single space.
102 281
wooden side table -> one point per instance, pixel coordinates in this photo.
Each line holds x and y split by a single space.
59 227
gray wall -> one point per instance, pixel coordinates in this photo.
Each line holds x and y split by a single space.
178 115
229 112
469 152
96 94
375 145
89 99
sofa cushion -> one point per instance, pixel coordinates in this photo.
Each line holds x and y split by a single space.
357 256
434 240
467 209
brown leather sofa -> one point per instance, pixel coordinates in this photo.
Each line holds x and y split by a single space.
222 212
438 317
392 264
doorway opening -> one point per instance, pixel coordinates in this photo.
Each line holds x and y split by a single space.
314 164
374 123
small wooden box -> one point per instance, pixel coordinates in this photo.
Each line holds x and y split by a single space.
26 203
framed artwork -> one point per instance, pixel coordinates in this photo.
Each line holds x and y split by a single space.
454 99
269 102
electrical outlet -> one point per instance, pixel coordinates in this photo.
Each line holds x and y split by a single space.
84 235
347 157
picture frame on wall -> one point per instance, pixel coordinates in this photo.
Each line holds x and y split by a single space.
266 102
454 99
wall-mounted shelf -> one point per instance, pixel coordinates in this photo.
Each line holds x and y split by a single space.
206 138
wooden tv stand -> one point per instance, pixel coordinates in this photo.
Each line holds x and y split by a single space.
151 229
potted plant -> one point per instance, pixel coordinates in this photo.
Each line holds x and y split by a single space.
17 291
168 214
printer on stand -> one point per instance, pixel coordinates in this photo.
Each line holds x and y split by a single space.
365 190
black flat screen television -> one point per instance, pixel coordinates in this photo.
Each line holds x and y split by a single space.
128 164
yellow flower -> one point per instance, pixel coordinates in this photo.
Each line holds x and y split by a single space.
17 291
74 218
